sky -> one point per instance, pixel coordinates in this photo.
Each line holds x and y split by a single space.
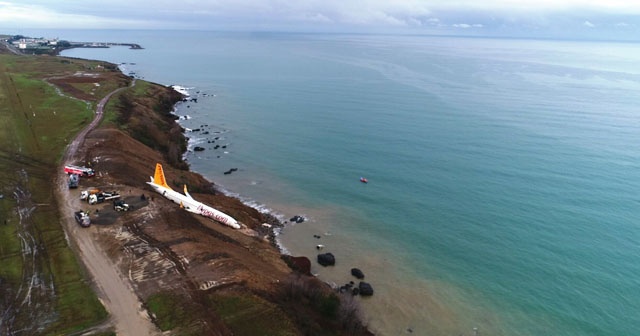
600 19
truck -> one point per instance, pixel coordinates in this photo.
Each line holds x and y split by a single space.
85 194
73 181
82 218
102 196
82 171
120 205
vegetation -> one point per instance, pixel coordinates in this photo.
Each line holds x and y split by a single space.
42 284
168 312
248 314
335 314
145 113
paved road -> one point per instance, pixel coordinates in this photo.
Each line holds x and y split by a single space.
114 290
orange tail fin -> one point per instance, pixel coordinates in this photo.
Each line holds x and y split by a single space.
158 177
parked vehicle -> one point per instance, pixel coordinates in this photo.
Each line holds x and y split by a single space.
74 179
85 194
102 196
82 171
120 205
82 218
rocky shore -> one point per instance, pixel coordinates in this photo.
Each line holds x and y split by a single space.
224 281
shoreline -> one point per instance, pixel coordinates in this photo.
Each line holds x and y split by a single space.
284 222
162 258
266 268
277 220
332 278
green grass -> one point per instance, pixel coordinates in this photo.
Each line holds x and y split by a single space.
36 124
111 109
48 120
247 314
168 311
11 268
8 245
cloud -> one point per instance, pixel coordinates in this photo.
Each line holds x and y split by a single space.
36 16
354 12
506 17
603 6
466 25
317 17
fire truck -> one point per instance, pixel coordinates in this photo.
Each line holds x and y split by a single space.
82 171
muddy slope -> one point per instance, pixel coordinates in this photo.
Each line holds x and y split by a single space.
202 264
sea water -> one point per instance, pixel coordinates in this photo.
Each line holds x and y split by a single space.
503 174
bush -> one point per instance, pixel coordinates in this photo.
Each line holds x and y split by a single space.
340 310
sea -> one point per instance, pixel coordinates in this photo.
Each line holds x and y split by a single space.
503 174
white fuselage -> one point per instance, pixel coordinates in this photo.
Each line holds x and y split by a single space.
194 206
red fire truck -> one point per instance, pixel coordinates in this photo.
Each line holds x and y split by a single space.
82 171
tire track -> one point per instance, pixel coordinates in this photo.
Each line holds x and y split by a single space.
32 307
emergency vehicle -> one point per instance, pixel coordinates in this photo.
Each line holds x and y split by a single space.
82 171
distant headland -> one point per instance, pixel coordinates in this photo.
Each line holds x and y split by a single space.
20 44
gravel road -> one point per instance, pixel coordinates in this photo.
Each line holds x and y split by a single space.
114 290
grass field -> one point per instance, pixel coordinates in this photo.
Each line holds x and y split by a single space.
243 313
42 287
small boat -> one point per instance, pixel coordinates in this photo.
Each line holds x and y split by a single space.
363 180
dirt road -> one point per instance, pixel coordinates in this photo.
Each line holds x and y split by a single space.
114 290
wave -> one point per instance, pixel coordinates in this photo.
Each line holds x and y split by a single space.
181 89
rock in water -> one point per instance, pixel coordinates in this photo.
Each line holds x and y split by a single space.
356 272
297 219
365 289
326 259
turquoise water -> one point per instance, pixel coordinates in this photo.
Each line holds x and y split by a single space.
502 173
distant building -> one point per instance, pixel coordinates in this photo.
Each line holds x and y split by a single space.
33 43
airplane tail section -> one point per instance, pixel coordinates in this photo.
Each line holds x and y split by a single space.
158 177
186 192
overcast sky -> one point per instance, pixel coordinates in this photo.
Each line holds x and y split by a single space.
602 19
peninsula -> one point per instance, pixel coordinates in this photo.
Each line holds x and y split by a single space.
19 44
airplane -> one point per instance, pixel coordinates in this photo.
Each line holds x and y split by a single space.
159 184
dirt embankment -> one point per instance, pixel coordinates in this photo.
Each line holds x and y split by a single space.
219 281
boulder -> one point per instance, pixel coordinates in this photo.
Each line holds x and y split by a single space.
297 219
299 264
356 272
344 289
198 149
365 289
326 259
